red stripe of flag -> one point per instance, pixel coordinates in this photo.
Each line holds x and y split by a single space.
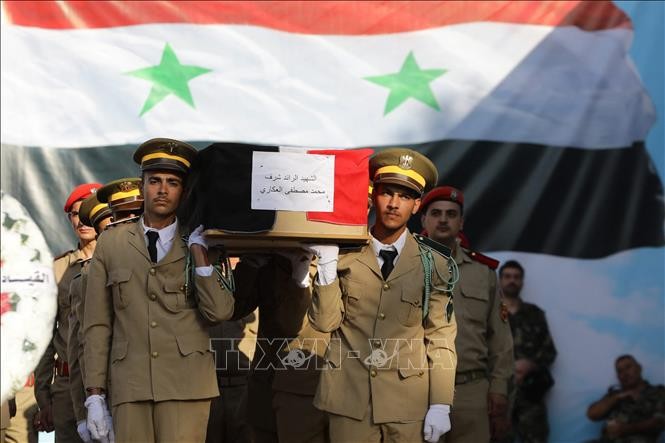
320 17
351 184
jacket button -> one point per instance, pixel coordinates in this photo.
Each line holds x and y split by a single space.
372 372
152 271
182 288
155 354
153 297
382 316
386 286
153 324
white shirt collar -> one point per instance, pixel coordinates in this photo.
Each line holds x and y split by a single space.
398 245
166 234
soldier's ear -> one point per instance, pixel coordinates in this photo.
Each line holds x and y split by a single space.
416 206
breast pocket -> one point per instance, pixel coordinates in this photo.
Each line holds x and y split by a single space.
117 282
410 310
174 296
352 292
475 301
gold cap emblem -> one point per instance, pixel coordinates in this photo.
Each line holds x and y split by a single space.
126 186
405 161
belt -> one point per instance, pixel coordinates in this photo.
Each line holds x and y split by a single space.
236 380
469 376
61 368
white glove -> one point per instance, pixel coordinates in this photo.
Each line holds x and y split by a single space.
97 412
437 422
300 260
109 422
196 237
82 429
327 265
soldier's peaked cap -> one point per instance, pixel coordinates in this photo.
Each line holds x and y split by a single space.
405 167
92 211
121 192
165 154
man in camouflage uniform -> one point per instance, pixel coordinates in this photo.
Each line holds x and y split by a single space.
634 412
484 342
52 373
534 354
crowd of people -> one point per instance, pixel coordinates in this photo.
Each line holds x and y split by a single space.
160 337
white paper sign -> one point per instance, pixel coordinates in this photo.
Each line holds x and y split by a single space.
289 181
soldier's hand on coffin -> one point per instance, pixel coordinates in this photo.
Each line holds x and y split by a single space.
197 238
327 264
300 260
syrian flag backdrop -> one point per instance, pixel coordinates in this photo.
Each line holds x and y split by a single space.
533 109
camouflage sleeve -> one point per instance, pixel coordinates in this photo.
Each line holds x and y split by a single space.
659 402
499 342
546 352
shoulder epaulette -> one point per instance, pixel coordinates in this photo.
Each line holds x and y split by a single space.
433 245
63 255
122 222
484 259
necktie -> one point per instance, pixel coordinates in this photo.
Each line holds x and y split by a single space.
388 256
152 245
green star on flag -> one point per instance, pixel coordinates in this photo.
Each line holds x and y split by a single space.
409 82
168 78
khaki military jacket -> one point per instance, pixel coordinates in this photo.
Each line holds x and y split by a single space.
75 345
484 341
141 321
65 268
380 350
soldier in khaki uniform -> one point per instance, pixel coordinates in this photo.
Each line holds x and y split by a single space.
484 342
120 198
52 373
391 357
146 317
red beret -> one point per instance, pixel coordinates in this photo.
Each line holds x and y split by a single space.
80 192
442 193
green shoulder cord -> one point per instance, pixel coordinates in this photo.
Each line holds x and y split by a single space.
225 272
222 268
429 265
